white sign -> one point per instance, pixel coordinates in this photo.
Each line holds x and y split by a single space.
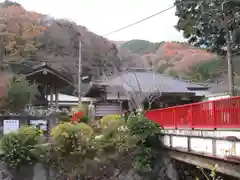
41 124
10 126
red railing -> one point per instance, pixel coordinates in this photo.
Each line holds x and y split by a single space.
224 113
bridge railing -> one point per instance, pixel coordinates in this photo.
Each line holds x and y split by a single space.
224 113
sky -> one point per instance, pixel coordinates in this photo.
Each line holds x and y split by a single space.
104 16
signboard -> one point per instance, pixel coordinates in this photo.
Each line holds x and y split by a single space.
10 126
41 124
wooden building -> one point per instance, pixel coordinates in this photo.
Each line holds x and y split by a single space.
140 86
49 81
68 101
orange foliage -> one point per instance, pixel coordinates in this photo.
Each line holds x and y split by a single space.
20 29
184 56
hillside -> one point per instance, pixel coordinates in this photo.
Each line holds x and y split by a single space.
61 48
167 57
140 47
32 38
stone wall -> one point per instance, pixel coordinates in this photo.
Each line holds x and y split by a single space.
39 173
164 169
190 172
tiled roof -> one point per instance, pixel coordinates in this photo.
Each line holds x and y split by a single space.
148 81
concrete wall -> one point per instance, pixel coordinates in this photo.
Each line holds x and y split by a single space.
217 143
200 147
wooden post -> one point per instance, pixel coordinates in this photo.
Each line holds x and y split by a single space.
51 96
56 97
2 48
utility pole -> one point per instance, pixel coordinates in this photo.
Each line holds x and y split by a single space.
227 20
1 52
79 69
229 62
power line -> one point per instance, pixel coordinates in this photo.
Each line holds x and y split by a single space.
144 19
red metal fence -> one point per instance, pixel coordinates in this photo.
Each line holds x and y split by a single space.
224 113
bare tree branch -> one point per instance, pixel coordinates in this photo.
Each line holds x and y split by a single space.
138 93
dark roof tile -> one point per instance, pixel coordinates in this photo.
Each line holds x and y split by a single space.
149 81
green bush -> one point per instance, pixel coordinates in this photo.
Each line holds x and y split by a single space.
80 108
84 119
114 141
84 109
71 147
64 117
144 130
20 148
18 93
142 127
68 131
106 120
114 127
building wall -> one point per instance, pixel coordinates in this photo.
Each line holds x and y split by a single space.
106 108
217 96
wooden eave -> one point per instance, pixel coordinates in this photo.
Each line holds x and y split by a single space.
53 72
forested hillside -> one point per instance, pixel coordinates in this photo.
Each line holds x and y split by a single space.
31 38
172 58
140 46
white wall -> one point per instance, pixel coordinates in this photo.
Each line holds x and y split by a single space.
218 97
217 143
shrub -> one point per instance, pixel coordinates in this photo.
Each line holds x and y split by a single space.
66 131
18 93
114 128
77 116
19 148
142 127
106 120
145 131
71 148
84 119
114 141
64 117
80 108
80 117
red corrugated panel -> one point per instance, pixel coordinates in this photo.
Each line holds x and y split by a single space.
224 113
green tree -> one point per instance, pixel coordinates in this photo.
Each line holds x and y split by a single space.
8 3
20 151
163 67
140 46
204 23
18 93
205 71
171 72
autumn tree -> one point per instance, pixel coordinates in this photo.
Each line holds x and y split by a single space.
20 29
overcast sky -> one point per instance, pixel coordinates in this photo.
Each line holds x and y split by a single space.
104 16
